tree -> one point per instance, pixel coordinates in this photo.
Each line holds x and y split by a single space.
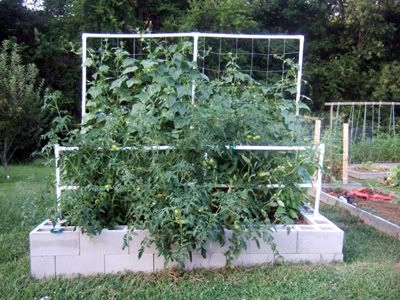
20 103
219 16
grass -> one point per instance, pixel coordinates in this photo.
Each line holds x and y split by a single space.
371 269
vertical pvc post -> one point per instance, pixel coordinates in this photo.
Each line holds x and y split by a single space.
321 152
195 53
345 168
317 132
58 178
299 73
83 104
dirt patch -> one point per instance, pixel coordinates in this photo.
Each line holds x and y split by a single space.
300 221
336 192
384 209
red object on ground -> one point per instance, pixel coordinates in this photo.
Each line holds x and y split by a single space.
368 194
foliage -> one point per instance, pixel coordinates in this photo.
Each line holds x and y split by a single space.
186 195
20 101
351 46
388 87
217 16
394 176
380 148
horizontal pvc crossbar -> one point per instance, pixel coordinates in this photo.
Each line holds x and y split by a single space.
317 184
194 34
360 103
234 147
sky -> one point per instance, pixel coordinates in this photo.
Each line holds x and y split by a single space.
34 4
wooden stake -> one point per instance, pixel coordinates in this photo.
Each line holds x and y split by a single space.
317 132
330 143
345 169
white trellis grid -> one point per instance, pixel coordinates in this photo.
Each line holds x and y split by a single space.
198 36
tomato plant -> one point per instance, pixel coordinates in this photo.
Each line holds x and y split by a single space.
191 193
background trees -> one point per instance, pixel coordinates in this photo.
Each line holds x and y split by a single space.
352 46
20 115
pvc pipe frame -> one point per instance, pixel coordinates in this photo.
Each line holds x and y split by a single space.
318 185
195 36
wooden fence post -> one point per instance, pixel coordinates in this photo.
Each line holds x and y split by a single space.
345 168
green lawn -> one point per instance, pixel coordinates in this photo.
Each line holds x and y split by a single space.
371 269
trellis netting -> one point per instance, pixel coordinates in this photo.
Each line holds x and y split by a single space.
266 58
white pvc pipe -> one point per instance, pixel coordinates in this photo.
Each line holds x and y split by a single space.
58 178
83 104
237 147
69 187
192 34
195 53
299 73
272 148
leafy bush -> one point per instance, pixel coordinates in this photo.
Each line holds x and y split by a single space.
381 148
189 194
20 102
394 176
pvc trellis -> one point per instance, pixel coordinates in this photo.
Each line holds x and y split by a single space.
317 184
195 36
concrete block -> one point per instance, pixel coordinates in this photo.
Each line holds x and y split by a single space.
43 267
298 257
198 261
212 261
285 242
215 246
159 263
320 241
45 243
217 260
70 266
246 259
128 263
107 242
331 257
135 243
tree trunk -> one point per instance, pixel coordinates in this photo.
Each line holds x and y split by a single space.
4 162
5 165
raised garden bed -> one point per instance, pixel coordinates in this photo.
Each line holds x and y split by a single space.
72 253
379 205
367 217
377 170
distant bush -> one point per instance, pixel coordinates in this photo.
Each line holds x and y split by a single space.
382 148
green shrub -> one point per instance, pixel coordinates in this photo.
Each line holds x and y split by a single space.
187 195
381 148
394 176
